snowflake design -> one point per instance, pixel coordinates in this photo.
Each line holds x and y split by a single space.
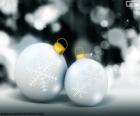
79 91
42 76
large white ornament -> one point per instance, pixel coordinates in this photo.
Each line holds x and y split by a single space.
39 72
86 82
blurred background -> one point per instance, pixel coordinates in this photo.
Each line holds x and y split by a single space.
108 30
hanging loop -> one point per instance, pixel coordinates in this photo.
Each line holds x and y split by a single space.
81 54
59 47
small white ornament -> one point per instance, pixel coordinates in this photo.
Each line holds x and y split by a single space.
86 82
39 71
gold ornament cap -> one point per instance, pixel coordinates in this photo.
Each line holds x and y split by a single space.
81 54
59 47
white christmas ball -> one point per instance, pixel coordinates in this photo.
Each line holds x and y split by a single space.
86 82
39 72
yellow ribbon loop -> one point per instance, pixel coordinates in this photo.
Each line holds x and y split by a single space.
59 48
81 54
